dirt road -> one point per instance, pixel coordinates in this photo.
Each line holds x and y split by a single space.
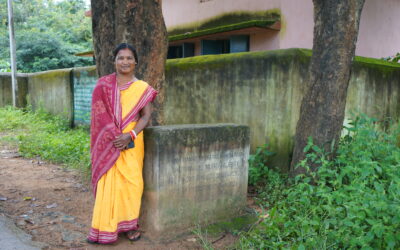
54 205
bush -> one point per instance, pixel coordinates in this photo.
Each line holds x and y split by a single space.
45 52
258 170
354 202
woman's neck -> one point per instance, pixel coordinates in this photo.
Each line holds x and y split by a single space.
125 78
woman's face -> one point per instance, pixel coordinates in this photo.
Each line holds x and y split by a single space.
125 62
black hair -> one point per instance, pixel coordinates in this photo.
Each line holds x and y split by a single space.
125 46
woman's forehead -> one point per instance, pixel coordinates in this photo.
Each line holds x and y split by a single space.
125 52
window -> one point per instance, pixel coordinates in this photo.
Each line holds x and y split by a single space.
212 47
238 43
179 51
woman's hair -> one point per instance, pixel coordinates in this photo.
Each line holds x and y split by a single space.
125 46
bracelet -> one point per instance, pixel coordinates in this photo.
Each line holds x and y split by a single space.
133 134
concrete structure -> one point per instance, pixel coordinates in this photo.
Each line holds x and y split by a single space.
6 90
193 175
378 36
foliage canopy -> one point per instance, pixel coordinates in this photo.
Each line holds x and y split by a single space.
48 34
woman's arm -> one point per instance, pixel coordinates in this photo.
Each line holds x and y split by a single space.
145 115
122 141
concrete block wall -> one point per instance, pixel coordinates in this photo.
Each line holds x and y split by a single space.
260 89
193 174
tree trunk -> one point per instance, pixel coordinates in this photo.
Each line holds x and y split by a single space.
137 22
336 24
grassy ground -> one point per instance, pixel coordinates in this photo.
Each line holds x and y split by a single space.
38 134
354 203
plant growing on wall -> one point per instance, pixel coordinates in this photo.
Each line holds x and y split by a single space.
395 58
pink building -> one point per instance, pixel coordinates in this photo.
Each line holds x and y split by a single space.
199 27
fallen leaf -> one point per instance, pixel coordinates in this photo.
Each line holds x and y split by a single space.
52 205
29 221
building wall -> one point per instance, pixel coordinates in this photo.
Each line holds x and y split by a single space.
378 36
297 24
178 12
268 40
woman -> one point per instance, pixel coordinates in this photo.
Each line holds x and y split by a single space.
121 109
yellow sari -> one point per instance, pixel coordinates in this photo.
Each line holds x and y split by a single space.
119 190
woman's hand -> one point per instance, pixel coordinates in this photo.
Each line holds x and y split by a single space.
122 141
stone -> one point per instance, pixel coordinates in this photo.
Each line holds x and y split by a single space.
68 219
21 223
193 175
69 236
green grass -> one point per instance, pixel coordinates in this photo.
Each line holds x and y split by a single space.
354 203
39 134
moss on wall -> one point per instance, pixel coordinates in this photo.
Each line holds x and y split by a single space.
264 91
225 28
260 89
213 61
226 19
52 91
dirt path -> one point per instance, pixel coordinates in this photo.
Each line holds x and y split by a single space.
54 205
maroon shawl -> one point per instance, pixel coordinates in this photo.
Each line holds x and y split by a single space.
107 123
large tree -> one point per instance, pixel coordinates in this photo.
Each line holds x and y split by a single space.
336 25
140 23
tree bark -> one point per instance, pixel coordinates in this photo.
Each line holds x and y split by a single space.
137 22
336 25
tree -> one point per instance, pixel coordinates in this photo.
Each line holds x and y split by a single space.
140 23
48 34
336 25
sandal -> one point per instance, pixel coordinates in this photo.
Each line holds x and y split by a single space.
133 235
91 242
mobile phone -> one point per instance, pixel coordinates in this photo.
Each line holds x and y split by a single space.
131 144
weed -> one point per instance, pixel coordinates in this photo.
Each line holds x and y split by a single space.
203 237
258 169
352 203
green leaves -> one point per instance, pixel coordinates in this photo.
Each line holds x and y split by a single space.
48 34
258 170
49 137
353 204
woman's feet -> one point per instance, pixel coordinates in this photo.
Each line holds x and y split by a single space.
133 235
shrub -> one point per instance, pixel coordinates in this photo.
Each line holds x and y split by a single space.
258 169
47 136
354 201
